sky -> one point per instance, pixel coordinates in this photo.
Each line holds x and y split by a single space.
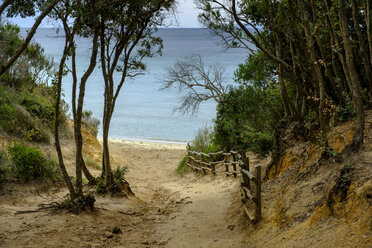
187 17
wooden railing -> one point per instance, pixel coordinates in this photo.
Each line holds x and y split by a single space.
236 164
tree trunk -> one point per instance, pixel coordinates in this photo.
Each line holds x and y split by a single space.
79 111
362 45
355 82
367 6
66 177
88 175
106 152
315 65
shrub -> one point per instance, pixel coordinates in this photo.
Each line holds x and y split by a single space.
92 163
203 141
4 168
39 106
344 112
29 163
118 182
259 142
7 117
90 122
118 179
182 167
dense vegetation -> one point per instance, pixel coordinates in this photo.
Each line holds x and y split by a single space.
310 62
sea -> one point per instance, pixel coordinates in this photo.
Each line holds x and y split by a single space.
143 111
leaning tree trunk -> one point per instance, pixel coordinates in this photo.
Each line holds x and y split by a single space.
79 111
88 175
66 177
355 82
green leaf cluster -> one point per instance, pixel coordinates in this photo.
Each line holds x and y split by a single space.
28 163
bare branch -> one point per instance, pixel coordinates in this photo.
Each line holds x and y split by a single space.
200 82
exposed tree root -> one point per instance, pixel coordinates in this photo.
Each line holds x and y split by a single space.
75 206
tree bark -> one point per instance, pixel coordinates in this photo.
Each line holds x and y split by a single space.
315 65
66 177
355 82
367 7
79 110
362 44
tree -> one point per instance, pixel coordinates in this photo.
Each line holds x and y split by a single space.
25 8
311 43
126 38
201 82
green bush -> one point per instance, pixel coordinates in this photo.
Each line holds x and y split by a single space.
8 119
259 142
92 163
118 179
29 163
90 122
344 112
182 167
117 182
4 168
39 106
203 141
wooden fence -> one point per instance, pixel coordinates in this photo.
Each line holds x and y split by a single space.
236 164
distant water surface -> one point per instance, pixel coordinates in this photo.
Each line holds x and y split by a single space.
142 111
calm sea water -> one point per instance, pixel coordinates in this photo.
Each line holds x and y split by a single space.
142 111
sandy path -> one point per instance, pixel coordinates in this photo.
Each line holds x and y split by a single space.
204 213
168 210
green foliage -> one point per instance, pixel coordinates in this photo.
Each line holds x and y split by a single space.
27 114
38 106
203 141
31 68
92 163
246 110
261 142
247 117
257 71
117 182
8 121
101 187
4 167
118 179
345 111
182 167
90 122
29 163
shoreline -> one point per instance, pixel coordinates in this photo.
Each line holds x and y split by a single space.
146 143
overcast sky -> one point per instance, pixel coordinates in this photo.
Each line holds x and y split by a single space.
187 17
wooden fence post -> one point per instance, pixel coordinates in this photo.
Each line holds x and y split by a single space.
227 163
246 167
258 213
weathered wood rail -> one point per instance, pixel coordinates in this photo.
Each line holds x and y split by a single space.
236 164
